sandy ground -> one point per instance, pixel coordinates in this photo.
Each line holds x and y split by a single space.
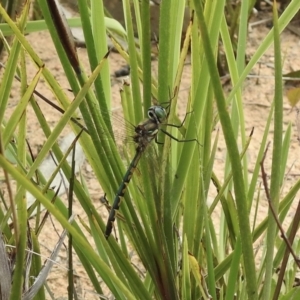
257 95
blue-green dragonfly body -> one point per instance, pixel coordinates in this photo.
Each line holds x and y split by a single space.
145 132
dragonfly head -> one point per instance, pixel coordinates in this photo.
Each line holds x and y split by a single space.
157 113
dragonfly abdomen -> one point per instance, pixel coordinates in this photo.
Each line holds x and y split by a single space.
121 192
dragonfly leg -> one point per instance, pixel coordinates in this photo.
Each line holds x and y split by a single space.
179 126
178 140
157 141
105 202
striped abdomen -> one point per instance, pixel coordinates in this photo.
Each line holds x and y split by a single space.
120 193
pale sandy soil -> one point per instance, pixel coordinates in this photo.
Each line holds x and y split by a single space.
257 96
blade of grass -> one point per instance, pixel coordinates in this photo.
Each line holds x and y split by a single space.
8 76
186 278
209 255
146 51
99 37
36 265
234 269
133 62
18 112
40 25
237 112
276 159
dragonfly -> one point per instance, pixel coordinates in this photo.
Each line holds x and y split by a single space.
145 133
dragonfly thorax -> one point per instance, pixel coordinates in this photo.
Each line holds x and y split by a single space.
157 113
145 133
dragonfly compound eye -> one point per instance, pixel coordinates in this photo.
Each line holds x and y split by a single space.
157 113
